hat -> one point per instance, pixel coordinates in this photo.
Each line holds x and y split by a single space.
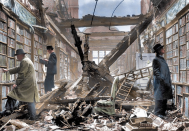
157 47
19 52
50 48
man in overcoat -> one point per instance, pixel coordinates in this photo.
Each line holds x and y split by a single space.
25 89
51 69
161 81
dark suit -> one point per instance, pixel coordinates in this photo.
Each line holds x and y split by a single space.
162 85
51 71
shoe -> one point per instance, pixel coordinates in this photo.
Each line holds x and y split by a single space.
161 116
8 112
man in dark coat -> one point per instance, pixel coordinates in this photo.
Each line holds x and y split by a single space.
161 81
51 69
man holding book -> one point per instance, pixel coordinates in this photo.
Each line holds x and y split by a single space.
51 69
25 89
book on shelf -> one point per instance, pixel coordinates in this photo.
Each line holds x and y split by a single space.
27 41
27 34
183 76
11 33
11 23
175 69
36 37
27 49
43 61
11 42
11 52
3 48
11 63
19 46
3 16
3 60
3 26
175 61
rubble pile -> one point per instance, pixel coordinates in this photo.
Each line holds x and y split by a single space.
80 116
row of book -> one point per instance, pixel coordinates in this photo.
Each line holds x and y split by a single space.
182 30
27 49
182 40
187 57
11 23
19 30
169 47
3 26
183 76
3 36
169 40
175 78
170 62
27 41
11 42
175 44
3 60
175 28
3 16
182 21
182 64
175 61
3 48
187 36
187 27
183 51
40 52
175 69
11 33
169 54
175 37
11 63
169 32
175 53
19 46
187 64
20 38
27 34
11 52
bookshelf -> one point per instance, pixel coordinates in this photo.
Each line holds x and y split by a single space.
172 51
40 47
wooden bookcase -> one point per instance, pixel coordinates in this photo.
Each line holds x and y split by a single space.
172 49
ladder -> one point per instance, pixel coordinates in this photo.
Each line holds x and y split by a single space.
129 81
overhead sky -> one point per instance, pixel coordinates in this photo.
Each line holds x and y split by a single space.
106 8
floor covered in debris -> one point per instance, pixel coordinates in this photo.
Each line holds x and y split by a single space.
73 113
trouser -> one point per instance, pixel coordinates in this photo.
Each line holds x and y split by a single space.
11 104
49 82
160 107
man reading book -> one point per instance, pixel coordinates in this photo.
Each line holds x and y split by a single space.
51 69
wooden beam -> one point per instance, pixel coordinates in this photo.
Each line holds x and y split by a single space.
100 21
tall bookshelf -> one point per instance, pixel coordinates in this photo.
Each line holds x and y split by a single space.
172 49
39 46
7 51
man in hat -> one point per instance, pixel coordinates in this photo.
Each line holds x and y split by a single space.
25 89
51 69
161 81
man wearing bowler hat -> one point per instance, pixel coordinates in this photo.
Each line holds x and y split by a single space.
25 89
161 81
51 69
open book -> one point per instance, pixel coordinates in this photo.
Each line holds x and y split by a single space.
43 61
